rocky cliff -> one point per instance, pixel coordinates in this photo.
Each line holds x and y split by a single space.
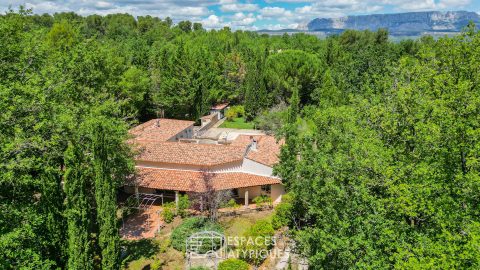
400 23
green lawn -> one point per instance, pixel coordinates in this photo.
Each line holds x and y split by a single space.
238 123
238 225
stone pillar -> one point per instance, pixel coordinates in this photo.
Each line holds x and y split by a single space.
136 194
246 198
177 199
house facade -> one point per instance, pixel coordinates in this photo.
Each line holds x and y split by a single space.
219 109
170 162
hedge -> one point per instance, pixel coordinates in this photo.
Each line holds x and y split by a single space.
233 264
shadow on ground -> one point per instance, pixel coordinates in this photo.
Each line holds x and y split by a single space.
135 250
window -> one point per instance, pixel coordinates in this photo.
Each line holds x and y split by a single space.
266 189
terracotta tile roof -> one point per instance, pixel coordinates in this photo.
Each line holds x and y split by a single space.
197 181
220 106
188 153
160 129
268 149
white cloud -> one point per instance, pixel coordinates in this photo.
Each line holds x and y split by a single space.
235 7
179 10
416 5
272 12
335 9
212 21
444 4
287 1
242 19
411 5
46 7
103 5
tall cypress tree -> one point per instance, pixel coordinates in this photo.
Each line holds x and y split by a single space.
327 94
111 162
105 196
294 108
251 102
256 91
78 217
288 153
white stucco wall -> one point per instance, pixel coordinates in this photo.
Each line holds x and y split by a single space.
228 167
252 192
205 121
246 166
277 191
184 134
250 166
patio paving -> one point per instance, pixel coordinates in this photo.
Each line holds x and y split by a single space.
143 224
146 223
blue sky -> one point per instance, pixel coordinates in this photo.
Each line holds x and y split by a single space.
242 14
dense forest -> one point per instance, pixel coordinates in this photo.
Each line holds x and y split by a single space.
381 159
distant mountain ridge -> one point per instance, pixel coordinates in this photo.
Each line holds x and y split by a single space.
410 23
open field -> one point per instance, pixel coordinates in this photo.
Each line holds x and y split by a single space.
238 123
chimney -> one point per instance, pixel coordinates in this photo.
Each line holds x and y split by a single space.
160 114
253 144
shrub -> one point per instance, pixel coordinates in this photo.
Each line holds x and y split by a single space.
189 227
262 201
156 265
168 212
164 245
183 205
234 112
283 213
170 209
231 204
271 121
200 268
230 115
262 228
233 264
129 207
259 241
